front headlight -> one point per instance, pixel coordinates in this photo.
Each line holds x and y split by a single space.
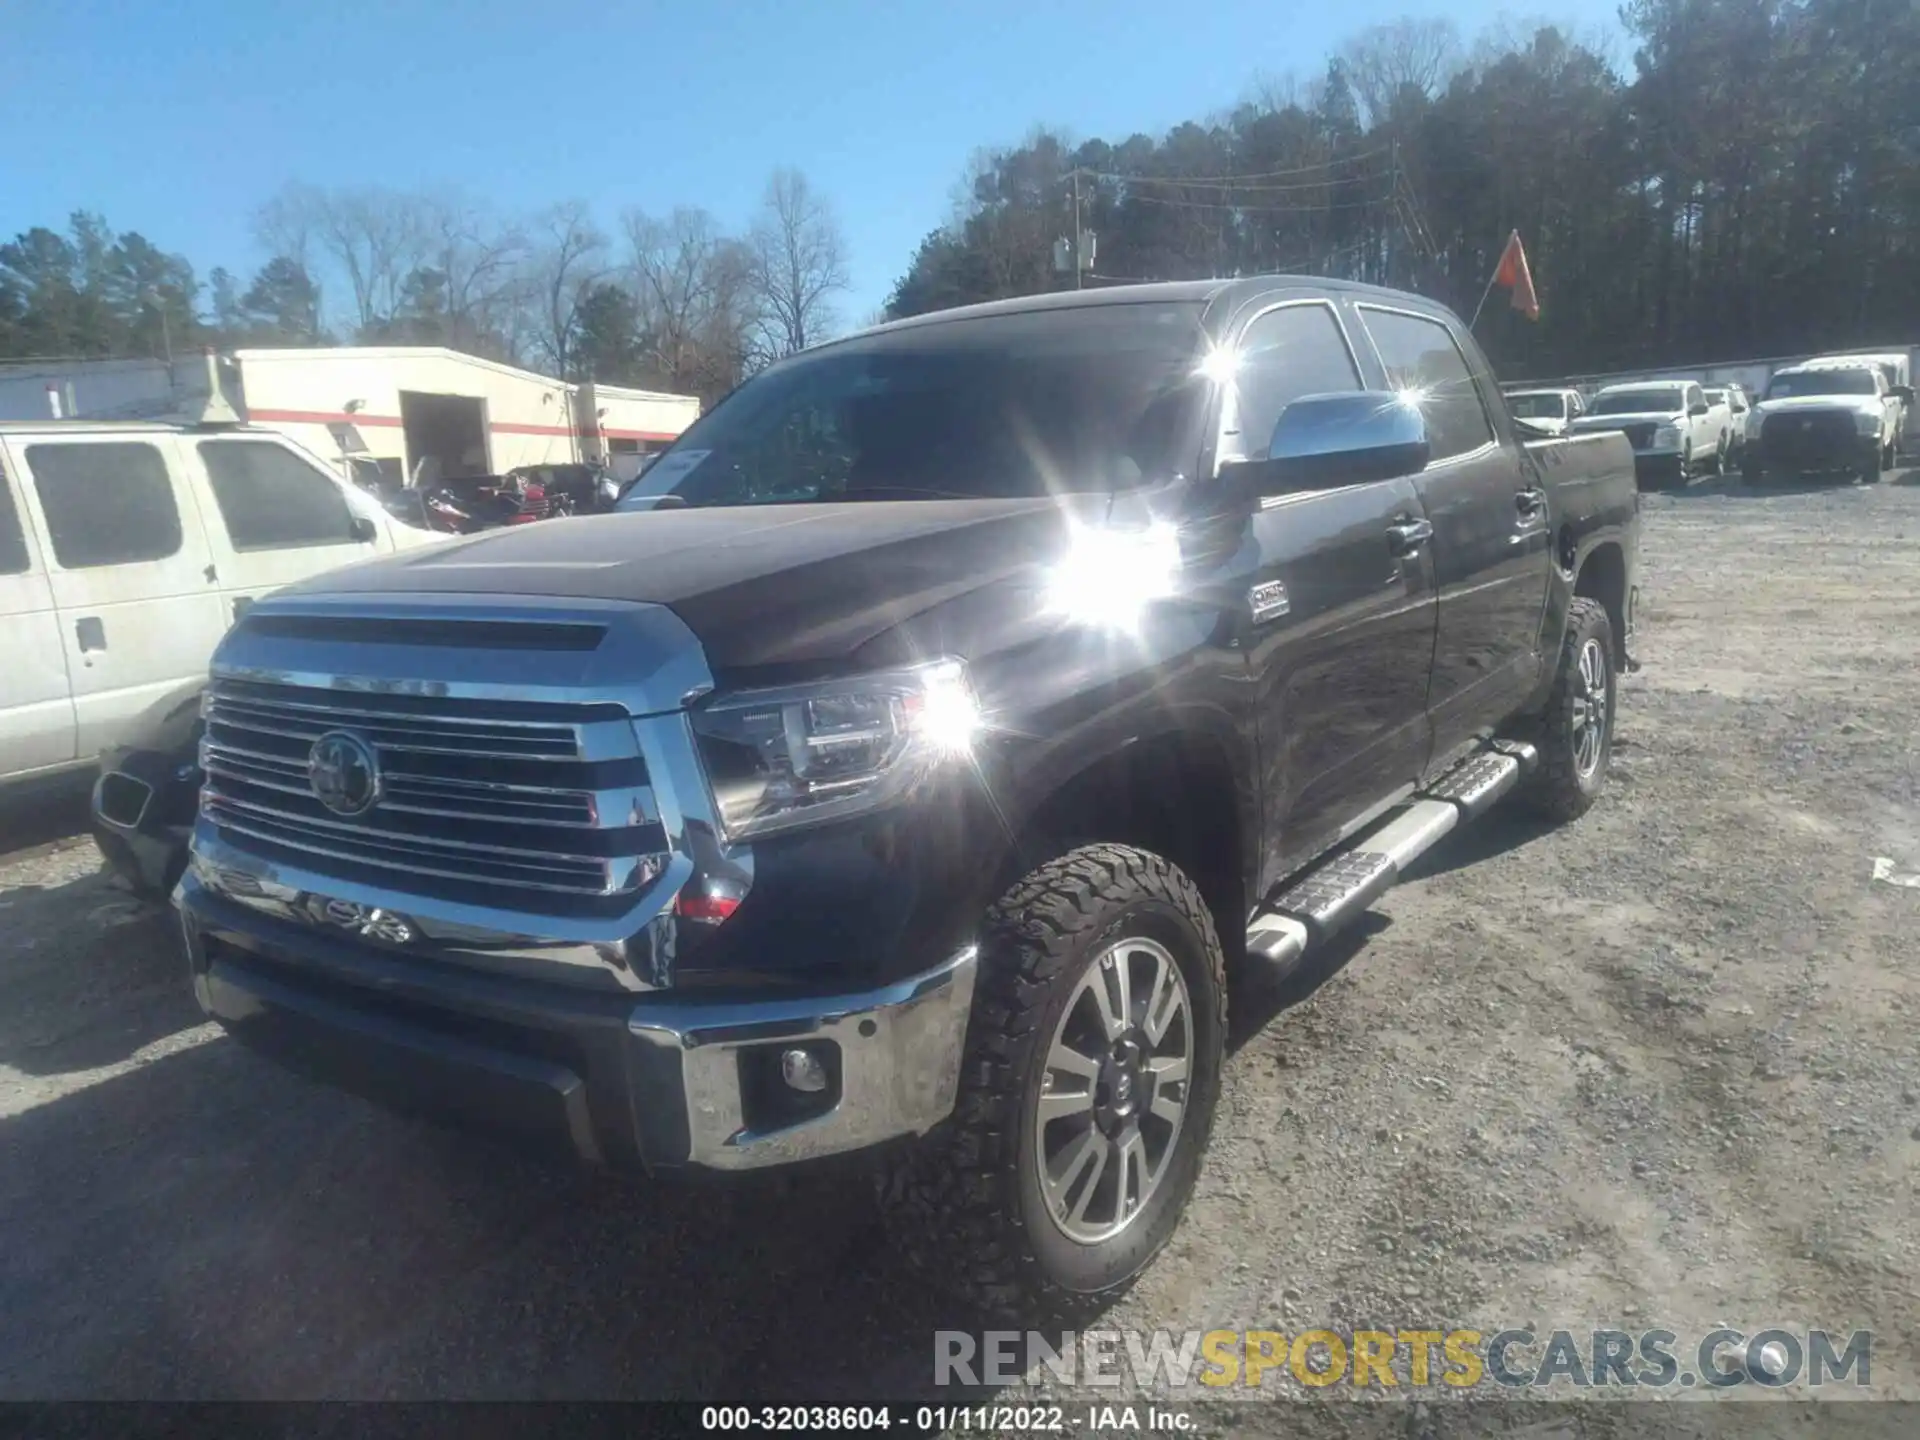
1866 423
803 754
1667 435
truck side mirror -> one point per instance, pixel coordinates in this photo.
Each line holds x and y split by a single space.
1901 392
1697 409
1321 442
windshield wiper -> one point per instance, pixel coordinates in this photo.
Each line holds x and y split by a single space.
891 492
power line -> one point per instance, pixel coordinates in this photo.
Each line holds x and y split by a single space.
1237 187
1338 160
1374 204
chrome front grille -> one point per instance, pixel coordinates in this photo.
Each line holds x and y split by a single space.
306 713
533 805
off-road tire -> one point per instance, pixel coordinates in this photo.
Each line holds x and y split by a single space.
962 1206
1557 789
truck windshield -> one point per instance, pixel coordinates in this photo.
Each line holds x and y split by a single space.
1098 398
1795 383
1538 407
1638 402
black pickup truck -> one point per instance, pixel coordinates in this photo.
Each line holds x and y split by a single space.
1002 681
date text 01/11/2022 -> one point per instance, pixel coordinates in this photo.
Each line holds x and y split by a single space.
1011 1419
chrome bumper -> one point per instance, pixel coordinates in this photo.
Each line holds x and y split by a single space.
665 1080
899 1060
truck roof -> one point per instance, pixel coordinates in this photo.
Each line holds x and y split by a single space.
1160 292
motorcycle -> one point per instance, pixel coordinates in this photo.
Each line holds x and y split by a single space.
470 505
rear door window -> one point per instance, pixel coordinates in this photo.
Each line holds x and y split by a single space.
108 504
1421 355
271 499
13 535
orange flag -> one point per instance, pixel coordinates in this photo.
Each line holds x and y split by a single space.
1514 274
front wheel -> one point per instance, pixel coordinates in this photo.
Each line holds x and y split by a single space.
1087 1091
1575 738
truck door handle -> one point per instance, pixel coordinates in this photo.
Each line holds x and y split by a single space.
1530 502
91 632
1405 537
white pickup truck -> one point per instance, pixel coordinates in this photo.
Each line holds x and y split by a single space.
1827 417
1896 368
1551 412
1674 430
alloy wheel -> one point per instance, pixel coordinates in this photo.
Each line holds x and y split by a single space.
1114 1092
1590 710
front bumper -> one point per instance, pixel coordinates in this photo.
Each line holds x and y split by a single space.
668 1080
1816 443
141 817
1658 464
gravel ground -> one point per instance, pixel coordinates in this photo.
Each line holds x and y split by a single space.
1658 1068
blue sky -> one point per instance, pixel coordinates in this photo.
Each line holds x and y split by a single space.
178 120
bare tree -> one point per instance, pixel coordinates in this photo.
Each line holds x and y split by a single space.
692 283
799 263
479 261
1405 54
285 226
1272 92
569 255
394 252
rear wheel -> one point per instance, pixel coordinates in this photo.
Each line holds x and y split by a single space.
1575 737
1087 1091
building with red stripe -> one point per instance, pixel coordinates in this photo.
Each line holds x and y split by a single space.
416 412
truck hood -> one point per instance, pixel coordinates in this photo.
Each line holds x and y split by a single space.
1853 404
759 585
1637 417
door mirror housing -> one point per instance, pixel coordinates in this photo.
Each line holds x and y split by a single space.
1323 442
365 532
1901 392
1697 409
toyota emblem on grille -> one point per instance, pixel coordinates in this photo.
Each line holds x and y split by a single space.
344 773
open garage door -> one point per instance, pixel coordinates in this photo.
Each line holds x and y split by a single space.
446 436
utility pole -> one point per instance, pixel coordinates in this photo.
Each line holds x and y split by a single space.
1076 228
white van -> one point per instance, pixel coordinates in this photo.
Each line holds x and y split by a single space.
126 550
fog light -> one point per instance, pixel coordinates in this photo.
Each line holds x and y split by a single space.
802 1071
